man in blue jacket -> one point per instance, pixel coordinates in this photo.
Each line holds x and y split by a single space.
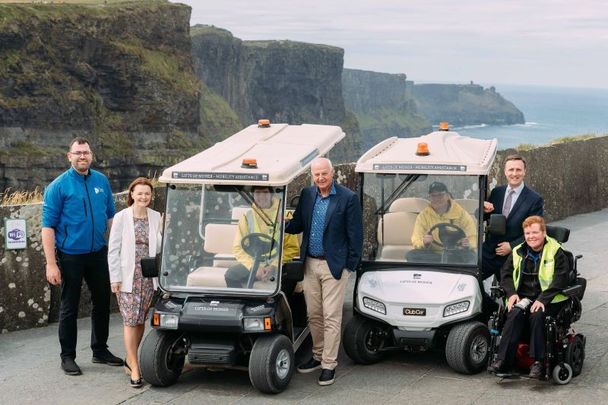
516 202
77 211
329 216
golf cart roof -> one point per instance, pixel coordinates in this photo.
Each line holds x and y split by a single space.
271 154
447 153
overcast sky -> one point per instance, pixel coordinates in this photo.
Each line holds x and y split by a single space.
492 42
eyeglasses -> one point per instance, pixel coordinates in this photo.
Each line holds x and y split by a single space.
437 195
81 153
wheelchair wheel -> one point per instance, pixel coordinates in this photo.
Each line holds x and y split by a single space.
575 354
562 374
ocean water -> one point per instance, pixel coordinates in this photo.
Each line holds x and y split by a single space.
550 113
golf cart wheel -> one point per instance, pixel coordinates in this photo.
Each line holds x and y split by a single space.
468 347
562 374
575 354
271 364
162 357
363 340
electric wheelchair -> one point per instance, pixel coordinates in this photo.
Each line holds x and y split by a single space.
565 349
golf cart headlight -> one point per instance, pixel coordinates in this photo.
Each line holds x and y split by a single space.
169 321
456 308
371 281
374 305
253 324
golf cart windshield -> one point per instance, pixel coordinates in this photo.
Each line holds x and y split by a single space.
223 238
420 218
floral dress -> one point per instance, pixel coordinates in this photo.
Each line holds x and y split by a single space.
134 305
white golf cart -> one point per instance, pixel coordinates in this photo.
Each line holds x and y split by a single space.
257 326
416 297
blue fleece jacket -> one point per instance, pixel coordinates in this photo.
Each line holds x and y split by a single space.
78 207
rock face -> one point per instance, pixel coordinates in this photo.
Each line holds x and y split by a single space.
283 81
119 74
469 104
383 105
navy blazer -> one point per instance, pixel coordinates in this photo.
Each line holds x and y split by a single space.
528 203
343 231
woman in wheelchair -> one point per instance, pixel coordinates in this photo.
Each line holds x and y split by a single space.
532 277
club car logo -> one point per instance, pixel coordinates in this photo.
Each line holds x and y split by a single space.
417 276
16 234
414 311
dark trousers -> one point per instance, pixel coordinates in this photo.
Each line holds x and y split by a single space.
514 326
93 268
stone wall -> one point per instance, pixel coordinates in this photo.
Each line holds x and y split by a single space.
571 177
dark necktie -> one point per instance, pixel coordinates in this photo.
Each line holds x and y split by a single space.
507 207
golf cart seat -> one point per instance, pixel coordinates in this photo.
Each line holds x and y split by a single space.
395 235
470 205
411 204
396 227
218 241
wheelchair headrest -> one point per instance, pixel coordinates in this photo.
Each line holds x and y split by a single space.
559 233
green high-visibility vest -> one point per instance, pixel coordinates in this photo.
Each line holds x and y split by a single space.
545 269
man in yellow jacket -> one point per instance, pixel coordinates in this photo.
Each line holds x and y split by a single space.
265 217
458 232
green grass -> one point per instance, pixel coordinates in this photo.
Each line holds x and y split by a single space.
565 139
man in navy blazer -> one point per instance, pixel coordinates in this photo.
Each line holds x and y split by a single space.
517 202
329 216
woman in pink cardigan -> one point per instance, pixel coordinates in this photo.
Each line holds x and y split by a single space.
135 234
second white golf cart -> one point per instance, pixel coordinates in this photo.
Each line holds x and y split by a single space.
209 228
409 294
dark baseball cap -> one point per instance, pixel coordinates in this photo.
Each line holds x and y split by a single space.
437 187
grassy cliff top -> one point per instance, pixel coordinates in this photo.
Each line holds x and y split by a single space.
11 10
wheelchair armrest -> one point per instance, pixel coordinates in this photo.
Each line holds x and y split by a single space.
497 291
572 291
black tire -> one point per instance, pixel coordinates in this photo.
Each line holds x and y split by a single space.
364 340
468 347
575 354
162 357
271 364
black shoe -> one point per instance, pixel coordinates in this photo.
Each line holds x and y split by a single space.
310 366
107 358
69 366
136 383
327 377
536 371
496 366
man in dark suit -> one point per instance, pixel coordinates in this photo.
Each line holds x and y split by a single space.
329 216
517 202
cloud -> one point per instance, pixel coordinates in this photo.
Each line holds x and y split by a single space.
485 40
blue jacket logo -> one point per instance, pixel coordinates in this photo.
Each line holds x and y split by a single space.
16 234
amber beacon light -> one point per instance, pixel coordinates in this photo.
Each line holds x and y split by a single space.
444 126
249 164
265 123
422 149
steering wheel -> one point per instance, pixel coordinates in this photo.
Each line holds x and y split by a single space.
258 245
449 234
